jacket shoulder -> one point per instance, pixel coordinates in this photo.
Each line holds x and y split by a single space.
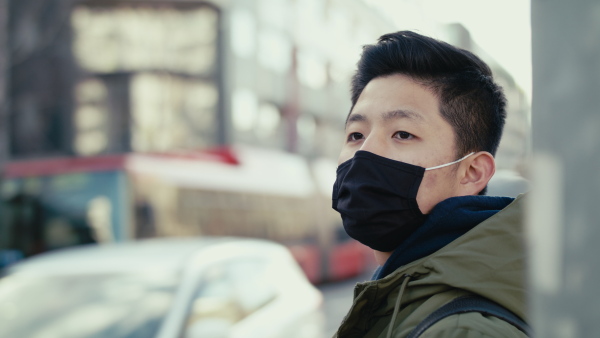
472 325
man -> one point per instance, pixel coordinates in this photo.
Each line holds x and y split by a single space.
425 123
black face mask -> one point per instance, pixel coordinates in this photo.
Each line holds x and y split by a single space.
377 199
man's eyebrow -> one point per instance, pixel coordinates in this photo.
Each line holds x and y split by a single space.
402 114
355 118
390 115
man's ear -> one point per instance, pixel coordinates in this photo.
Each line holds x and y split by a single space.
480 167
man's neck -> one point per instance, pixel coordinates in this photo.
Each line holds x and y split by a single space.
381 257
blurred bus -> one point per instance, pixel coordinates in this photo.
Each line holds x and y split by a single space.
239 191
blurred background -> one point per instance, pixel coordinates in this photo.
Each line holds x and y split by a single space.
126 119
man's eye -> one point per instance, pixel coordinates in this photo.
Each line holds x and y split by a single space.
403 135
354 137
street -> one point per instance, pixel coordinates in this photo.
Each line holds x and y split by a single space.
337 299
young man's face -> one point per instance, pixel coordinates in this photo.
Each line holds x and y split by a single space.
397 118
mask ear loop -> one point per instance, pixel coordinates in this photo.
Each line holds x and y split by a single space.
451 163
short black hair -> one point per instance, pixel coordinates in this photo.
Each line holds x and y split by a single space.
470 100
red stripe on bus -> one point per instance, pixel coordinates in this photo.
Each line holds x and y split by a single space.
65 165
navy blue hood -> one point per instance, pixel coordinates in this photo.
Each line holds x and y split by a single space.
447 221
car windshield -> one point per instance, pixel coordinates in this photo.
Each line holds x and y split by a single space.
111 305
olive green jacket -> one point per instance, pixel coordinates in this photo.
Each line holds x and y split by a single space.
489 260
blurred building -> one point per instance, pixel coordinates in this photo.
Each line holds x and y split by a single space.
3 81
98 77
302 57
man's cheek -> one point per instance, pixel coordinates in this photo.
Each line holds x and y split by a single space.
428 192
345 155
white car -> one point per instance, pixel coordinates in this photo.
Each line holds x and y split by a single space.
165 288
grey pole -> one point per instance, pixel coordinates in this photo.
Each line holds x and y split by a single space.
564 224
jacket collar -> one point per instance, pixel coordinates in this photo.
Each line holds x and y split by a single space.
448 220
488 260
